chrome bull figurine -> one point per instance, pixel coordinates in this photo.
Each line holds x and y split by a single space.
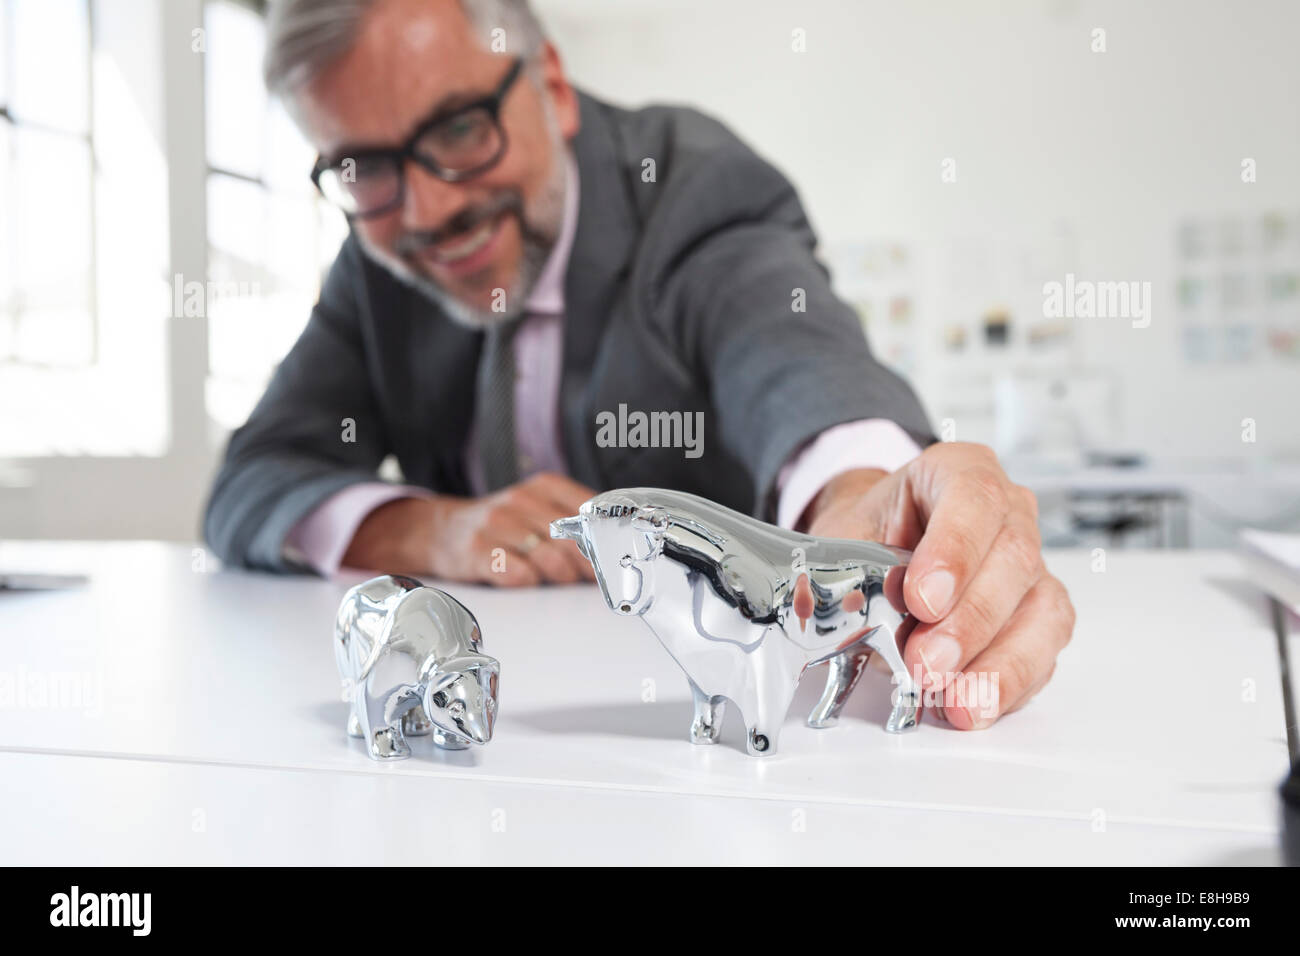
410 658
745 607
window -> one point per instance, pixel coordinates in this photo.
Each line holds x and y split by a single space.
82 239
46 304
269 234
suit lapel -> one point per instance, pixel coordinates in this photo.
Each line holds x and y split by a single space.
598 266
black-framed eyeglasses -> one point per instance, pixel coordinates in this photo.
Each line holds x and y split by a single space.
454 146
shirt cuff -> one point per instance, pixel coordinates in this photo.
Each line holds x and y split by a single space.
321 538
867 443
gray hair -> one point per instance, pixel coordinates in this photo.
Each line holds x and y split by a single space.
305 36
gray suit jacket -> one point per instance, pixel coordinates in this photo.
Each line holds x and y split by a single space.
679 297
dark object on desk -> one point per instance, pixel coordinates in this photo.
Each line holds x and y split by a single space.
22 581
1114 459
1291 787
1117 519
745 607
1291 818
997 329
1119 516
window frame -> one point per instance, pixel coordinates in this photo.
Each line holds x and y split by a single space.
11 310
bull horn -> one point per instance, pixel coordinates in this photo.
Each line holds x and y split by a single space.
567 528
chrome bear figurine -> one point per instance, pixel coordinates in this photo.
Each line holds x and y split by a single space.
745 607
410 662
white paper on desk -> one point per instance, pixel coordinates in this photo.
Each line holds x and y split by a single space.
1273 558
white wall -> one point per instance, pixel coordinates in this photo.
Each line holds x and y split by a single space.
1114 148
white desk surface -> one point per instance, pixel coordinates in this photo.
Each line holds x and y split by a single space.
1159 740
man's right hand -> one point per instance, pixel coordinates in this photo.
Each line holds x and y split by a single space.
502 538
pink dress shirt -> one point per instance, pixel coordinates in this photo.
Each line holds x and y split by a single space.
320 539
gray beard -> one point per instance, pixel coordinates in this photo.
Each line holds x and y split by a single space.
539 227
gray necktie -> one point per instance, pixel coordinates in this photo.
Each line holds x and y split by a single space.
494 417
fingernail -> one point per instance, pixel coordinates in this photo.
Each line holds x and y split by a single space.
976 721
941 655
935 591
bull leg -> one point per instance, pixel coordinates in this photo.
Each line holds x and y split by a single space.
908 704
709 711
842 673
763 729
767 696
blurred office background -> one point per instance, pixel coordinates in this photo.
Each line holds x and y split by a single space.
955 157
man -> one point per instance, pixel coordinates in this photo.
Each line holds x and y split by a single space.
527 265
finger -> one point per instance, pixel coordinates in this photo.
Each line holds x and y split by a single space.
554 562
509 570
507 529
579 567
968 498
538 515
1012 566
560 490
585 570
566 548
1065 608
1017 663
1029 695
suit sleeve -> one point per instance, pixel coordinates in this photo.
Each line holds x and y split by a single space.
316 430
751 310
